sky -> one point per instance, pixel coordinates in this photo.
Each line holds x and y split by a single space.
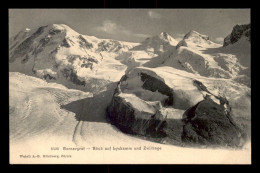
133 25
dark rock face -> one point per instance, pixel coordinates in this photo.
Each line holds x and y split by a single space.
30 45
248 34
153 84
87 65
173 130
25 59
181 43
54 31
112 45
48 77
237 32
200 86
84 43
87 62
69 74
210 124
65 43
42 43
123 116
22 49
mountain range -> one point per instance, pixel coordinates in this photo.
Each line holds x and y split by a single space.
191 91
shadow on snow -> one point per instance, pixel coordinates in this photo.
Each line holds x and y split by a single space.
92 109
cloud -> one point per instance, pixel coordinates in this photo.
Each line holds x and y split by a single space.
219 39
154 15
108 27
112 28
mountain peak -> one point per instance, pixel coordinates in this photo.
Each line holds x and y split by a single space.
161 38
60 28
237 33
196 40
193 34
164 35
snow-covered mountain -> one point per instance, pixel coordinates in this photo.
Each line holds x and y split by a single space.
196 54
150 88
158 43
151 47
195 40
56 52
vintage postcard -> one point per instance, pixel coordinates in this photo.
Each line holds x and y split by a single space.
130 86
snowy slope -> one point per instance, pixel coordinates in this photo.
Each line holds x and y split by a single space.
59 53
198 55
37 123
151 47
34 108
195 40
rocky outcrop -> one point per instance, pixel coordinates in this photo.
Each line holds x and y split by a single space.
127 118
111 46
70 75
153 84
24 48
208 122
123 116
236 34
84 43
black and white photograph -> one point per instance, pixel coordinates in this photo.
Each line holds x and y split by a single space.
129 86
